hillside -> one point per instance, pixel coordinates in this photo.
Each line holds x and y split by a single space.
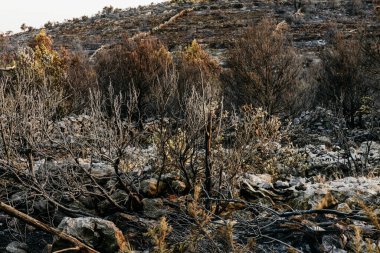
213 23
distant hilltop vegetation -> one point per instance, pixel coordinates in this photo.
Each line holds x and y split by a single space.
213 23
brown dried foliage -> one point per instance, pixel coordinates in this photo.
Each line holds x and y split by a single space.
196 68
138 63
264 68
80 78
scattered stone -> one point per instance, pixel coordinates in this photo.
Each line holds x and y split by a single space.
259 180
86 201
149 187
325 140
281 184
298 181
331 243
153 208
344 207
17 247
346 190
98 169
178 186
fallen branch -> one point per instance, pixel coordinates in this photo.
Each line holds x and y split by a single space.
66 250
283 243
38 224
325 211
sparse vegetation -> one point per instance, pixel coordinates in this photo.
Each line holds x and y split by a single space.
204 147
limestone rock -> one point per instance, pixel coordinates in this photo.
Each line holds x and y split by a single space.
99 234
346 190
153 208
344 207
258 180
17 247
297 181
149 187
281 184
178 186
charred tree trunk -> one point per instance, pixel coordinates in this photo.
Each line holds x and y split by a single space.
208 164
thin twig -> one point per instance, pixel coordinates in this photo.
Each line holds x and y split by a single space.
283 243
68 249
325 211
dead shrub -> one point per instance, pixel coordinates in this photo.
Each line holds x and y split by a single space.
346 77
138 63
259 144
7 49
40 66
264 69
196 68
355 7
80 78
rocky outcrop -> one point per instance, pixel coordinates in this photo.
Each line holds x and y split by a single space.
347 190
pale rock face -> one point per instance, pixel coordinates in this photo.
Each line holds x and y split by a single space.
343 207
148 187
281 184
259 180
297 181
102 235
346 190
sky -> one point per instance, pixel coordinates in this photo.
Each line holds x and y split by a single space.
37 12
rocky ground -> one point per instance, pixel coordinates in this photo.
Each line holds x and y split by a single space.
319 209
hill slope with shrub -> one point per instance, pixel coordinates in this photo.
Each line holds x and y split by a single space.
194 126
213 23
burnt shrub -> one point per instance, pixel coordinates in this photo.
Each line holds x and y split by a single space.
40 66
196 68
137 64
80 78
265 68
347 76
